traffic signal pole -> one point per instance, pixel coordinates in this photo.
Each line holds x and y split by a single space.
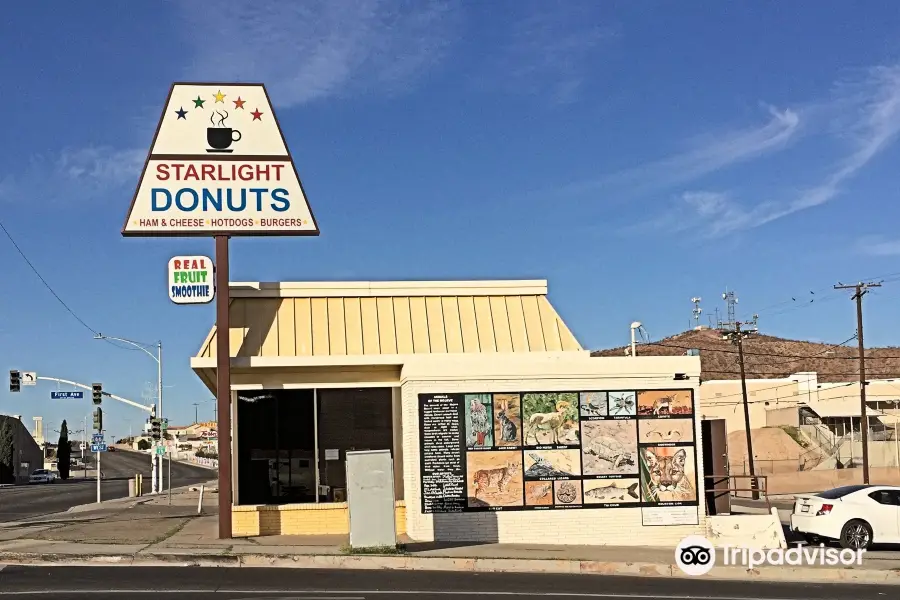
97 394
97 398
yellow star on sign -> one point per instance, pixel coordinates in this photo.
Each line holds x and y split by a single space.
220 97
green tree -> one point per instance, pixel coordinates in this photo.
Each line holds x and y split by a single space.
63 451
143 444
7 450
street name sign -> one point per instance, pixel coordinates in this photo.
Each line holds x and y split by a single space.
66 395
191 280
98 447
219 165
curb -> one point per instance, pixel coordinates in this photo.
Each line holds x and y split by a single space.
80 508
476 565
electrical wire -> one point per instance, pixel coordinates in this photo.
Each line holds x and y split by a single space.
885 278
714 400
785 373
770 354
52 291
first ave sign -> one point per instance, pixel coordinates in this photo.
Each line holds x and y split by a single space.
219 165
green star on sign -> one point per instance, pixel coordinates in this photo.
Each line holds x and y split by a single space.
198 103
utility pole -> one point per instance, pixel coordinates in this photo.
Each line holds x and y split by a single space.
859 290
736 336
196 404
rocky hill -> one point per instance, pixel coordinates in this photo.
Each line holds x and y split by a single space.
768 357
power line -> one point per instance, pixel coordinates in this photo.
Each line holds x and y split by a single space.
746 353
737 336
860 290
784 372
791 304
817 354
714 400
49 287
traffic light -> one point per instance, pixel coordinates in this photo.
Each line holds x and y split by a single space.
15 381
98 419
97 393
155 429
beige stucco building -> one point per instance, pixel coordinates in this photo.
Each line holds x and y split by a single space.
774 402
319 369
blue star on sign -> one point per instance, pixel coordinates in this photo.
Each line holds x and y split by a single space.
181 113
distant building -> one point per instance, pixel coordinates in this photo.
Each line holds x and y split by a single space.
28 454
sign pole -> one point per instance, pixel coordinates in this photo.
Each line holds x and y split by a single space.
223 385
218 166
98 476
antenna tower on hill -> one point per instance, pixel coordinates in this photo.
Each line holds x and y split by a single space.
731 301
697 311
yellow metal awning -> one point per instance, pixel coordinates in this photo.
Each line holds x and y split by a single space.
391 318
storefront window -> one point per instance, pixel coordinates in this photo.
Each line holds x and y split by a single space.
281 432
350 419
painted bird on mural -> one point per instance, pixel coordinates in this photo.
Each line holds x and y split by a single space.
481 425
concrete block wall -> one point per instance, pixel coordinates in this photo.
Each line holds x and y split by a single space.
602 526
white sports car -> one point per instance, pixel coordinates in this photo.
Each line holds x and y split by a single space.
856 516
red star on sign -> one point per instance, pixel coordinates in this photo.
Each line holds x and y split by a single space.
239 103
256 115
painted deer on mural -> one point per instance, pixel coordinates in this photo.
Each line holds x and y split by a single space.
551 422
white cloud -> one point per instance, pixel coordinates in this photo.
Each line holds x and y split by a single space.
866 115
550 50
879 246
317 48
706 154
75 174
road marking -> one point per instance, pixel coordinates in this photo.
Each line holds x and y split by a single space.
329 595
306 598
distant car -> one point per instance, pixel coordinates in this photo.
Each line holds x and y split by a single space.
856 516
110 448
41 476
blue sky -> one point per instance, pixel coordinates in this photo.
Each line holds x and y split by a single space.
633 154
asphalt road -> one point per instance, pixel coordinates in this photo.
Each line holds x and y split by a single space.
222 583
26 501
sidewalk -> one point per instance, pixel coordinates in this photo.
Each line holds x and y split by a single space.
149 531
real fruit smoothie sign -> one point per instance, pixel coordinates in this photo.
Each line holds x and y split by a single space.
191 280
219 165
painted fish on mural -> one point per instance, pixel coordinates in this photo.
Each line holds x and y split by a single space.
613 493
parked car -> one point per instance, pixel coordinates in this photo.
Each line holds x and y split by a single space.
856 516
41 476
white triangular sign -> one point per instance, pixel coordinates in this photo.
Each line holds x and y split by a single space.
219 165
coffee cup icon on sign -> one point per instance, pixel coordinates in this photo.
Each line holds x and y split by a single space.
219 136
